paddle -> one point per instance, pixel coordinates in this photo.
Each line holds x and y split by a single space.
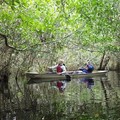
68 77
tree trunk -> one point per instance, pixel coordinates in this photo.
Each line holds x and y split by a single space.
104 62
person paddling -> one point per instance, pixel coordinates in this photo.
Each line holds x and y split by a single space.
59 68
88 68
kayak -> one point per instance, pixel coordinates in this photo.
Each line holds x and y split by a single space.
34 76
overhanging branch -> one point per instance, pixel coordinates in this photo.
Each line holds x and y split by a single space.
6 41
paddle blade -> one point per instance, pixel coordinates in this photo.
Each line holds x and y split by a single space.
68 77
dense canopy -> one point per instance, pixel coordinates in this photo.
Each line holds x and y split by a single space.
49 28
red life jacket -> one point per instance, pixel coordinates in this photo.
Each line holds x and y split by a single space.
59 69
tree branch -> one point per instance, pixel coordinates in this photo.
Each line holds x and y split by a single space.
6 41
7 45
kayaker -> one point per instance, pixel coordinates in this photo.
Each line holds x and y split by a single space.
59 68
88 68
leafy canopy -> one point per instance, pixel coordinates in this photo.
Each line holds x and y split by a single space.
58 23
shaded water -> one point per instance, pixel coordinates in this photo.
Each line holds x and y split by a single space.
95 99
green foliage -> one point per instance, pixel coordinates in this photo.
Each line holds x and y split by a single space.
54 27
26 20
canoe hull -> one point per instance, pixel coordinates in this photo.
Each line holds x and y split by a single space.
49 76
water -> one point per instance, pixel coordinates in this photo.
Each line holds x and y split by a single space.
79 99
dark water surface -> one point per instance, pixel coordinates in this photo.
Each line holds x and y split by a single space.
78 99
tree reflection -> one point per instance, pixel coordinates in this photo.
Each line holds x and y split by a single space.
43 101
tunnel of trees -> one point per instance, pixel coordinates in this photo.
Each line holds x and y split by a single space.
34 34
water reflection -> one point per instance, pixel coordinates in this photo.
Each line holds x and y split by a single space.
60 85
88 81
43 101
4 89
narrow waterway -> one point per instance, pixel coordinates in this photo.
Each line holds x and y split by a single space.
79 99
